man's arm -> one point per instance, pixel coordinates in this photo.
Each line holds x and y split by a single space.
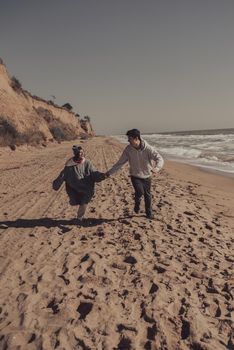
157 158
122 160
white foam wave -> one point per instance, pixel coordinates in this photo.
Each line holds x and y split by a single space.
210 151
181 152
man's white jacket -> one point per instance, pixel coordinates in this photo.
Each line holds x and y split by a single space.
141 161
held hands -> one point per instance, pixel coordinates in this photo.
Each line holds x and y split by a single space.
101 176
97 176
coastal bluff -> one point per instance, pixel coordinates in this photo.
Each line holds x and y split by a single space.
28 119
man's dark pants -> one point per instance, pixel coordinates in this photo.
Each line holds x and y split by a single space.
142 188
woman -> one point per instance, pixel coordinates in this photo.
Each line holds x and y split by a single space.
80 177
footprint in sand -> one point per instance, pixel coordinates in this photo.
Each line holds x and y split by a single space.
185 329
53 304
144 315
153 288
84 309
66 280
130 260
159 269
124 344
151 332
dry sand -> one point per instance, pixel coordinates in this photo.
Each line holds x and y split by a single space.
121 281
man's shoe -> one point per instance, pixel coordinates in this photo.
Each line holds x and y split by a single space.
136 208
150 216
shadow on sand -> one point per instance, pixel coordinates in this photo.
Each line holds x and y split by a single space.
49 222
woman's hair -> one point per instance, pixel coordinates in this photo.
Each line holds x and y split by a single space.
76 149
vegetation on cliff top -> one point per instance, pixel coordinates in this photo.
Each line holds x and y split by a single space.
59 130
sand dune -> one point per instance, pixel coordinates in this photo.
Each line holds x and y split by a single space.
120 281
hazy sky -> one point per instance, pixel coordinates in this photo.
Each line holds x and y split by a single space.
156 65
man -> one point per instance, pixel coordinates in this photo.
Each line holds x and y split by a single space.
80 177
141 157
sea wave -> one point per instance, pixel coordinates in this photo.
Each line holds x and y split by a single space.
213 151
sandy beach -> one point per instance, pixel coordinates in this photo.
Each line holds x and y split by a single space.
121 281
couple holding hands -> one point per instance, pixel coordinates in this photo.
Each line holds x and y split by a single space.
80 176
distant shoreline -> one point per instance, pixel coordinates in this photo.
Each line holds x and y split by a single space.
187 132
194 132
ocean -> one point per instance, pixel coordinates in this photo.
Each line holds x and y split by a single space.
210 149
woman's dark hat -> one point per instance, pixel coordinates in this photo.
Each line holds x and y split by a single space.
76 149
